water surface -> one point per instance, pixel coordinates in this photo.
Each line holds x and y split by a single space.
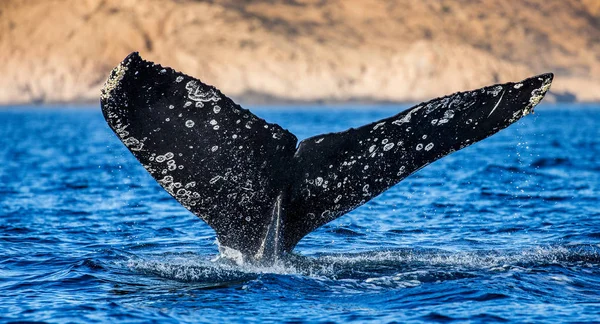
505 230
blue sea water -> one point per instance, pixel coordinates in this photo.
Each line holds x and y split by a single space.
507 230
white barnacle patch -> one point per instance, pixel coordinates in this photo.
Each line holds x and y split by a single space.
518 85
187 104
216 127
449 114
406 118
190 185
429 147
171 107
365 190
366 167
401 170
121 130
495 91
214 148
388 146
215 179
171 165
372 148
196 93
179 79
213 122
384 141
537 95
337 199
378 125
216 109
234 136
249 125
199 104
318 181
167 119
113 81
163 71
419 147
424 137
446 118
319 140
130 141
133 144
189 123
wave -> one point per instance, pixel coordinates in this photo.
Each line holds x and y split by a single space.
406 267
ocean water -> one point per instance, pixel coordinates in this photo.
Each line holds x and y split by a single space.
507 230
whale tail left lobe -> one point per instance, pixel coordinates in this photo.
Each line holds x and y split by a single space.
219 160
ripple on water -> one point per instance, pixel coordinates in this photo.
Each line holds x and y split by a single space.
505 230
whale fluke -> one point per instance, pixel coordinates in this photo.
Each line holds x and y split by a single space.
246 178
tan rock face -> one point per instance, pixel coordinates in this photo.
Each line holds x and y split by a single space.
305 50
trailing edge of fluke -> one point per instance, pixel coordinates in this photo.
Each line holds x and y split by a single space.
254 184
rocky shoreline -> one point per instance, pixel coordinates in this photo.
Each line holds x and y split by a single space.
301 51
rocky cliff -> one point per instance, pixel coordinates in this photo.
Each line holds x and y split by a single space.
301 50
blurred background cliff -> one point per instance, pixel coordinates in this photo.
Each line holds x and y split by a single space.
301 50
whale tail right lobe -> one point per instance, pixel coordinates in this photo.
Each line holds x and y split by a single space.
337 172
246 178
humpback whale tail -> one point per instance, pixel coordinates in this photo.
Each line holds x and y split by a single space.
249 180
